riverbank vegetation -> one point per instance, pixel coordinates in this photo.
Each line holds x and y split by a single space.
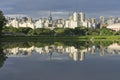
2 21
78 31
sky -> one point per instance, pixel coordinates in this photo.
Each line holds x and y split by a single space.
60 8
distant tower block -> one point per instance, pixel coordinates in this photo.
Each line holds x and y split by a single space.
29 19
50 16
93 20
75 16
82 16
102 20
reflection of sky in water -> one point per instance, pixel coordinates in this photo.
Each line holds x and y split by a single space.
33 69
97 64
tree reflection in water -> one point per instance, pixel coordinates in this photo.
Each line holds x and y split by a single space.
77 50
3 57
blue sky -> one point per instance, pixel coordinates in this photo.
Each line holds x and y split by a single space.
60 8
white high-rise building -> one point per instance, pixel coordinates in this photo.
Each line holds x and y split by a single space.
39 24
67 23
14 23
30 20
82 17
101 19
111 20
93 20
85 23
73 24
75 16
31 25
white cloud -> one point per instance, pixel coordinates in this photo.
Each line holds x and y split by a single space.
104 13
16 15
41 8
7 8
45 14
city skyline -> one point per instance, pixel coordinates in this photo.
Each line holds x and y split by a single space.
60 9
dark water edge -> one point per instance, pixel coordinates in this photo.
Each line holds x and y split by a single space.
41 43
59 38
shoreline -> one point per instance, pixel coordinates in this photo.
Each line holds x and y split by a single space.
59 38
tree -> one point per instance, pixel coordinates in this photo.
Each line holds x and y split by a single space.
24 30
68 32
105 31
79 31
59 31
38 31
2 21
117 33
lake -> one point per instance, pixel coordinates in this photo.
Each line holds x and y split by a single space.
65 60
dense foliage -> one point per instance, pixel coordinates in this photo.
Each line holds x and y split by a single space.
2 21
78 31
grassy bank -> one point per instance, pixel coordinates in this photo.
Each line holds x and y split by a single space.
57 38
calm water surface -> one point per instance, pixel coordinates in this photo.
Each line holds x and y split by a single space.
60 61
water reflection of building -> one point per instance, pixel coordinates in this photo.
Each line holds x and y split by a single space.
114 49
17 52
71 51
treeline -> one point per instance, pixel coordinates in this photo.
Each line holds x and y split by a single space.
78 31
